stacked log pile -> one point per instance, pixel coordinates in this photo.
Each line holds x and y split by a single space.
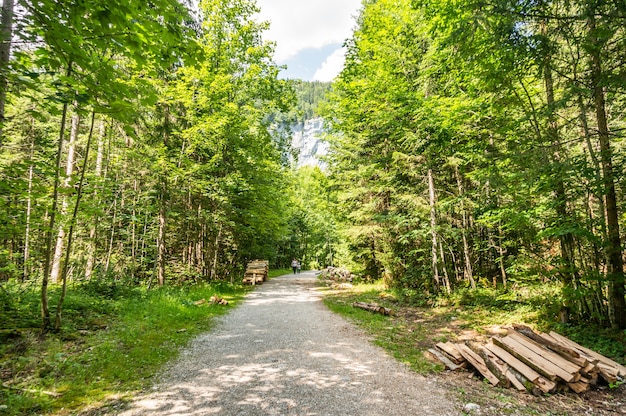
532 361
256 272
336 274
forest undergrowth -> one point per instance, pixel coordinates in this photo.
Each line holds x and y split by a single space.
115 338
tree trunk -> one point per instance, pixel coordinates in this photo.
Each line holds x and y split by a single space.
6 33
161 236
91 245
69 170
29 205
45 311
79 194
501 261
615 278
215 253
467 269
433 229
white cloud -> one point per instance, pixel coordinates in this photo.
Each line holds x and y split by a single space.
302 24
331 67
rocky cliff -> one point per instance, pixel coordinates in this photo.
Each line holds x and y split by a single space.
308 142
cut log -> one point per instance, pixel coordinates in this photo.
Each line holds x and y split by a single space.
564 351
536 361
621 370
527 372
579 386
451 351
500 369
609 373
478 363
373 307
437 356
516 379
539 349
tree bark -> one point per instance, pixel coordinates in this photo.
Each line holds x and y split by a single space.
615 277
161 235
6 33
467 269
68 250
45 311
69 170
433 229
91 245
215 253
29 205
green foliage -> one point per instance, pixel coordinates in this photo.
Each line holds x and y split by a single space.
463 156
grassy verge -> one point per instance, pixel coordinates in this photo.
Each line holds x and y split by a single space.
278 272
114 340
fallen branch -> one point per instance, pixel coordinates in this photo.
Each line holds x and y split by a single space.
373 307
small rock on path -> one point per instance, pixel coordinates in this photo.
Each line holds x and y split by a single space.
283 353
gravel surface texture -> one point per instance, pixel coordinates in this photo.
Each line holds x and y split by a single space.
283 353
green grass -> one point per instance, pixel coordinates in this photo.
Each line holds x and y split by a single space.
113 341
278 272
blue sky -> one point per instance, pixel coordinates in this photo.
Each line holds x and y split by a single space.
306 63
309 35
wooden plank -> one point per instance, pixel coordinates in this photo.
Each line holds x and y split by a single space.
564 351
507 357
527 372
554 358
436 355
451 351
478 363
514 379
621 370
537 362
579 386
495 365
607 372
500 368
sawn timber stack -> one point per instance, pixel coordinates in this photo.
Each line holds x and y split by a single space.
533 361
256 272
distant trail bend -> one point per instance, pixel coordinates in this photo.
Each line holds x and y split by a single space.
283 353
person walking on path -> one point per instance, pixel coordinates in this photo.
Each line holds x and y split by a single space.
294 265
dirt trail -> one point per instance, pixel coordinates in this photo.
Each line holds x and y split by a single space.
283 353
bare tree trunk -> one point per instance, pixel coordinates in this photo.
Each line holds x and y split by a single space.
111 236
161 235
501 261
6 33
29 204
91 246
467 270
45 311
617 290
433 229
215 253
79 194
446 277
69 169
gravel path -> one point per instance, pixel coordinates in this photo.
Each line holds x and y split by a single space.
283 353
